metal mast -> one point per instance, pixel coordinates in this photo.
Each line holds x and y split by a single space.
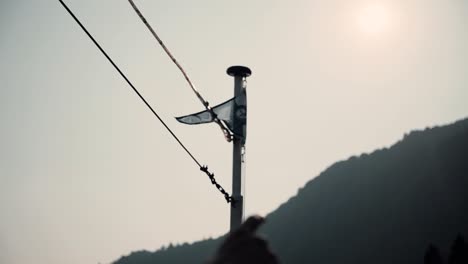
240 73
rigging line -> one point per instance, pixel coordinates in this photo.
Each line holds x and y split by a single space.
227 133
129 83
167 52
229 199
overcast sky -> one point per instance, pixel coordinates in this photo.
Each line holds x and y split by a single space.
87 174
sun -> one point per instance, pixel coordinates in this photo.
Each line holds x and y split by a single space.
374 19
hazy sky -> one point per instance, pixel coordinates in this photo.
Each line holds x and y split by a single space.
86 172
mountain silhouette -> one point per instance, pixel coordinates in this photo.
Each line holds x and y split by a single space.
383 207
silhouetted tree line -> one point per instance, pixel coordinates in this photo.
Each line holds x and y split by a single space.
458 253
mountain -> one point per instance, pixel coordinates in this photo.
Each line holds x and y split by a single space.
383 207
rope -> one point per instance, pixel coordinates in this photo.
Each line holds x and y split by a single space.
202 168
227 133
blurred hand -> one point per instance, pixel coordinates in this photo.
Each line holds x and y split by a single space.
243 246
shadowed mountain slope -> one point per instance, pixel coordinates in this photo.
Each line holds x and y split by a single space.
383 207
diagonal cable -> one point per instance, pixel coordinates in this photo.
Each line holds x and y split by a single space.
227 133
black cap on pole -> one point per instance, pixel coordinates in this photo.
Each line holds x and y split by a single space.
239 71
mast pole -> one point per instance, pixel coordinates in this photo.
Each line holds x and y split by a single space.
240 74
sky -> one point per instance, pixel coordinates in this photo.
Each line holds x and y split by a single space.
88 174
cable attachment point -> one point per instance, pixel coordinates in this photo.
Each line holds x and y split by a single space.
228 135
211 175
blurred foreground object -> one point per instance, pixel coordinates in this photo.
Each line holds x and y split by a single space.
244 246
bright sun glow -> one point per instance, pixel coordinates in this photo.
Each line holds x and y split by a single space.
374 19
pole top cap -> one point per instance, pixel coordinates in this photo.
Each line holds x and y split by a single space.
239 71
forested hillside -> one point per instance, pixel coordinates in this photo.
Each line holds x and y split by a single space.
383 207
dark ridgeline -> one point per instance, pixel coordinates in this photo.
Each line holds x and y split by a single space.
458 253
383 207
197 252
